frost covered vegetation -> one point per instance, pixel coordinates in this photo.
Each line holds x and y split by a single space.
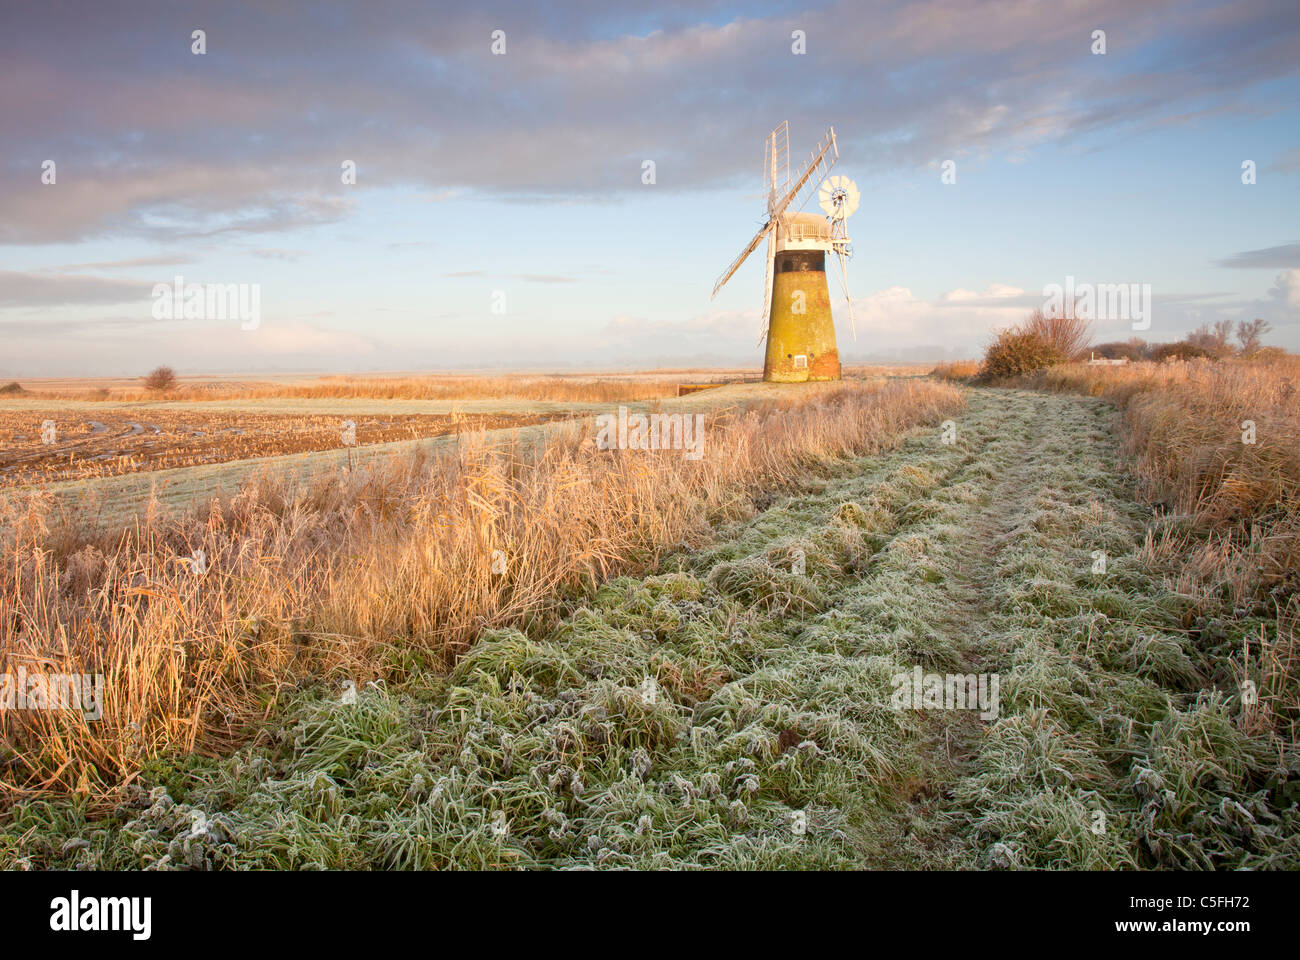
378 573
733 710
1216 447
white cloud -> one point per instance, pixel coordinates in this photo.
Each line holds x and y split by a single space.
1285 293
894 318
281 339
994 291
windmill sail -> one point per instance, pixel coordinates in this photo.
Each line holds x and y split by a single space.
727 274
776 166
767 288
797 320
819 162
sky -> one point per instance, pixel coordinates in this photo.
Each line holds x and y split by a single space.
501 215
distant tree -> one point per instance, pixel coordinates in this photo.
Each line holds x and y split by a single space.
1222 330
13 387
1141 346
1178 350
1250 333
1119 350
1213 339
160 379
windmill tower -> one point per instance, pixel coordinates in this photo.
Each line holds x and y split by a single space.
796 314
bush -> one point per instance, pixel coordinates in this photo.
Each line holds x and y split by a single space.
1119 350
1270 355
1018 351
161 378
1213 339
12 387
1178 350
1067 335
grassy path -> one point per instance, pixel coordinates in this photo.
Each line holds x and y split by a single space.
738 710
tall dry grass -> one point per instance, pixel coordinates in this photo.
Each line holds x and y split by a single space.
959 371
556 388
370 574
562 389
1186 427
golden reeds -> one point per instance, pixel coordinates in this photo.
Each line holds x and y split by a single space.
547 388
1218 443
1220 440
375 572
962 371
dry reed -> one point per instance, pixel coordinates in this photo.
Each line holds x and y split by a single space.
375 573
551 388
1216 445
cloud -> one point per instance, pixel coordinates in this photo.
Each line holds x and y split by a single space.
1177 314
1289 162
1272 258
526 277
127 345
123 328
894 318
995 294
162 260
286 339
270 215
890 323
1285 297
719 325
542 278
153 141
51 290
276 253
895 323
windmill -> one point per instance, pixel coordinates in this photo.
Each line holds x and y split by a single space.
796 316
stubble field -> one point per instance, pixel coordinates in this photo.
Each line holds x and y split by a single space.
54 444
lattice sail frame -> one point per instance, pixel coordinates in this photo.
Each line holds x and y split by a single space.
823 157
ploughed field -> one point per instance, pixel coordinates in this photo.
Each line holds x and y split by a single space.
84 444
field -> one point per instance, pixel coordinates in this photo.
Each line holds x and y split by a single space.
124 442
524 651
68 430
549 388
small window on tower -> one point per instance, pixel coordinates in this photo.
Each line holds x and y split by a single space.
801 361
